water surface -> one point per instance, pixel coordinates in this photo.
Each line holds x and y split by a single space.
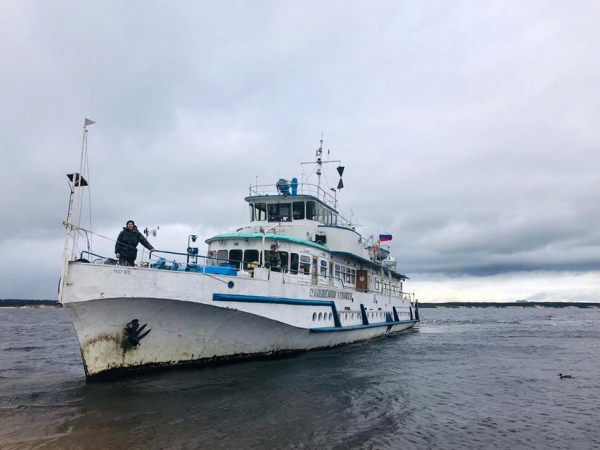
466 379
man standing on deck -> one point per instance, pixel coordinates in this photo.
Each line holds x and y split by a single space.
126 246
273 259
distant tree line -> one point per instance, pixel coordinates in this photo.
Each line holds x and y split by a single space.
520 304
12 303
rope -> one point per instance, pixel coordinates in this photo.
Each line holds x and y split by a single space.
87 165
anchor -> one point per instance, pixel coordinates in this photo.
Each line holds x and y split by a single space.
133 332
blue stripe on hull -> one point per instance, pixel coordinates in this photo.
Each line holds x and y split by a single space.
279 301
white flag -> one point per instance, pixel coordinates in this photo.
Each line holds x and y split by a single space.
88 122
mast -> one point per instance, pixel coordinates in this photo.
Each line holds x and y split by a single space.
73 222
319 171
78 194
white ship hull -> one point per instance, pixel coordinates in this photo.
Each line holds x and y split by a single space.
197 318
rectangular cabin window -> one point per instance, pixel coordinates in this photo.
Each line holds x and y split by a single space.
285 260
348 276
335 220
323 272
250 256
353 276
280 212
235 258
298 210
305 265
260 211
311 210
251 212
295 262
337 272
222 257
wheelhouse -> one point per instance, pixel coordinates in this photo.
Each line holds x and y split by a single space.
291 209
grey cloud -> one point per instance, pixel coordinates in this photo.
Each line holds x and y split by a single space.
467 130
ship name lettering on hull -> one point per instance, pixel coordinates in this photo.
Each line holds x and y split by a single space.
330 293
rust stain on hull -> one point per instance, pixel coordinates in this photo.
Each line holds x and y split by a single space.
103 337
130 371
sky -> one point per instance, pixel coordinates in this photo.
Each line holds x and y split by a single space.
468 130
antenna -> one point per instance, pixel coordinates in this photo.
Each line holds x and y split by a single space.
319 170
319 155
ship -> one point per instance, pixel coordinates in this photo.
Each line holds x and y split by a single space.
333 287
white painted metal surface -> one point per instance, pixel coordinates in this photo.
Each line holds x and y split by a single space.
187 325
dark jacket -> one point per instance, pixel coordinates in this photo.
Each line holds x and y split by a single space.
128 241
273 259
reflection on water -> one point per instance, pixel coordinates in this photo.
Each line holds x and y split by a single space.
466 379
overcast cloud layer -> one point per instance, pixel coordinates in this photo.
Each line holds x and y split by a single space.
468 129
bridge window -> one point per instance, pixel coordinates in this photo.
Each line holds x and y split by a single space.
280 212
222 256
250 256
294 263
284 260
260 211
323 268
305 264
235 258
251 212
311 210
298 210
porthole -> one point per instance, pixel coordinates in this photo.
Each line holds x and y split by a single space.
329 316
320 317
314 316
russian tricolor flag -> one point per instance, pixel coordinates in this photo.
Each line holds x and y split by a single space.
385 237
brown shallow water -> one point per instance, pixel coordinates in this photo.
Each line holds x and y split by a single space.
467 379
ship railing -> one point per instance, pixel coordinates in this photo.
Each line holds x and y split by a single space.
332 281
101 259
303 189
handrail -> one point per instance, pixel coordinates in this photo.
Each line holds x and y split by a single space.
91 254
284 270
321 194
230 261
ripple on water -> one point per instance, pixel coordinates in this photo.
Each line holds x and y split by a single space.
473 379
